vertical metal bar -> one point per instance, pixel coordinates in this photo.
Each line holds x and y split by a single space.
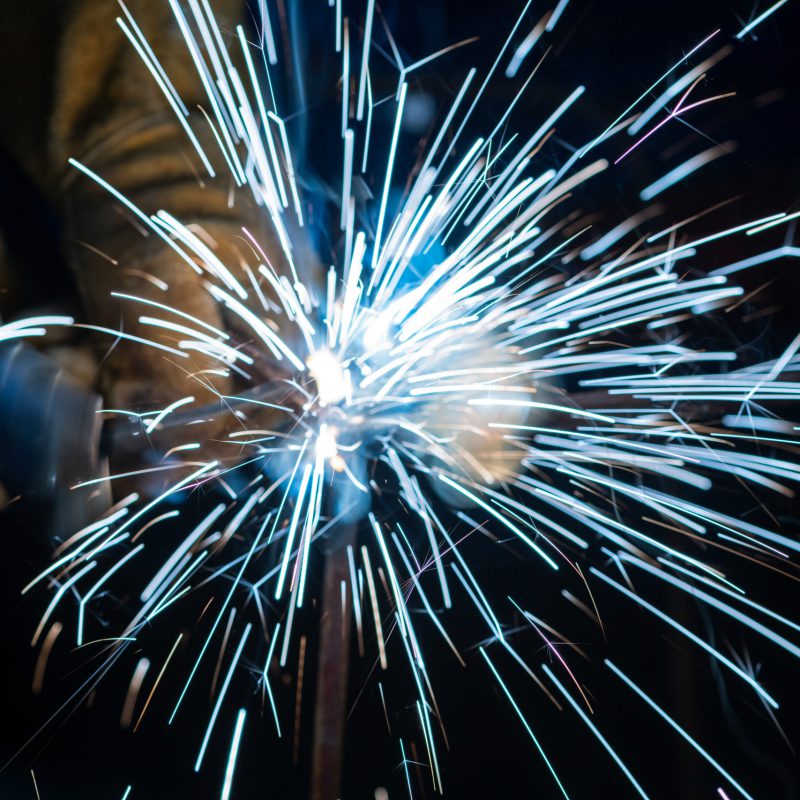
333 663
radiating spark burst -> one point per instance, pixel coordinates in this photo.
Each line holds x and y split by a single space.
433 394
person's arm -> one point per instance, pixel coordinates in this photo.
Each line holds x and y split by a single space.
102 107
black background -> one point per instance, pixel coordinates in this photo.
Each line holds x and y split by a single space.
616 48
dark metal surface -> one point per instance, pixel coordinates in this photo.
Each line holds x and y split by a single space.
332 670
49 442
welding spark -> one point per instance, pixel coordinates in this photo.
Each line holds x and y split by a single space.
432 402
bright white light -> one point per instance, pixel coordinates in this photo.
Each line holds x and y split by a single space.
327 372
327 447
376 332
326 442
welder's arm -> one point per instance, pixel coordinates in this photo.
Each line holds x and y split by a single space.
110 115
101 106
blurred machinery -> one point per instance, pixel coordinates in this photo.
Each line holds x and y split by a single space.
50 441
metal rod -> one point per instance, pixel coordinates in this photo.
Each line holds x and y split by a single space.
333 663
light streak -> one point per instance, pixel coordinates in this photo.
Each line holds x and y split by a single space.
362 83
405 770
689 635
675 89
133 693
760 18
388 178
44 655
268 661
32 326
231 765
524 722
646 93
220 697
671 722
593 728
556 15
158 680
525 47
690 166
139 43
376 614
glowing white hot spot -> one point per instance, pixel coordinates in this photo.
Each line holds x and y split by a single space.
327 372
376 333
327 448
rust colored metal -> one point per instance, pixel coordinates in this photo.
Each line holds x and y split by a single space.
330 708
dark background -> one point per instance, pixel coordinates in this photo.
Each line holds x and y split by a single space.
616 49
